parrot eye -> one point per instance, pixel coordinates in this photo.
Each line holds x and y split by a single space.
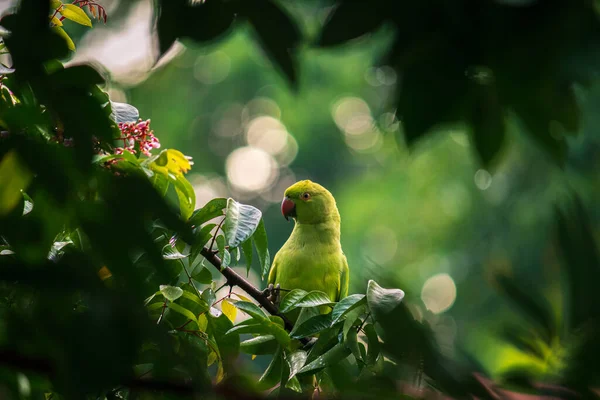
305 196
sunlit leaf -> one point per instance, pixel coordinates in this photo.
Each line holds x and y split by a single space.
55 21
229 309
28 205
171 253
75 14
61 32
382 301
171 293
123 112
241 220
296 361
171 161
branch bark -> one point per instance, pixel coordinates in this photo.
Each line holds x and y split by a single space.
235 279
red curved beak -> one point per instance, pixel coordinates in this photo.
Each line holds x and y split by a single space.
288 208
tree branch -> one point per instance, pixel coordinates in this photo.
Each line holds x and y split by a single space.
235 279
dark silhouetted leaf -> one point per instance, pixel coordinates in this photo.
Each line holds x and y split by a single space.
351 19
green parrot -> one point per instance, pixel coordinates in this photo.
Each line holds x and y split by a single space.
312 258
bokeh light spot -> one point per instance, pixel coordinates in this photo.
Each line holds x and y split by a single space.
439 293
483 179
212 68
380 244
267 133
250 169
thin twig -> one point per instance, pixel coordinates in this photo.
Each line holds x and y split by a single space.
190 279
363 323
235 279
162 313
212 242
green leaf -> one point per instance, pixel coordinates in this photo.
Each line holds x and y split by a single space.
374 345
260 345
352 319
54 4
171 293
296 361
262 248
241 221
382 301
311 326
252 310
75 14
351 342
15 177
294 384
200 239
186 195
346 305
209 296
314 299
159 181
327 339
256 328
311 299
229 346
290 299
212 209
194 297
171 253
272 374
183 311
28 204
336 354
225 258
203 276
61 32
247 250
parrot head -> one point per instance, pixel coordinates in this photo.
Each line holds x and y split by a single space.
309 203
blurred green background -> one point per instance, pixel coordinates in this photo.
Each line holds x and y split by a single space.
430 220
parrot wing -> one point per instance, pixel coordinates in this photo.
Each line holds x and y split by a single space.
273 271
344 279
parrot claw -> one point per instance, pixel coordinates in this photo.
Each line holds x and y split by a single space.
272 293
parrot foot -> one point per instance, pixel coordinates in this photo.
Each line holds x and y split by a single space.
272 293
